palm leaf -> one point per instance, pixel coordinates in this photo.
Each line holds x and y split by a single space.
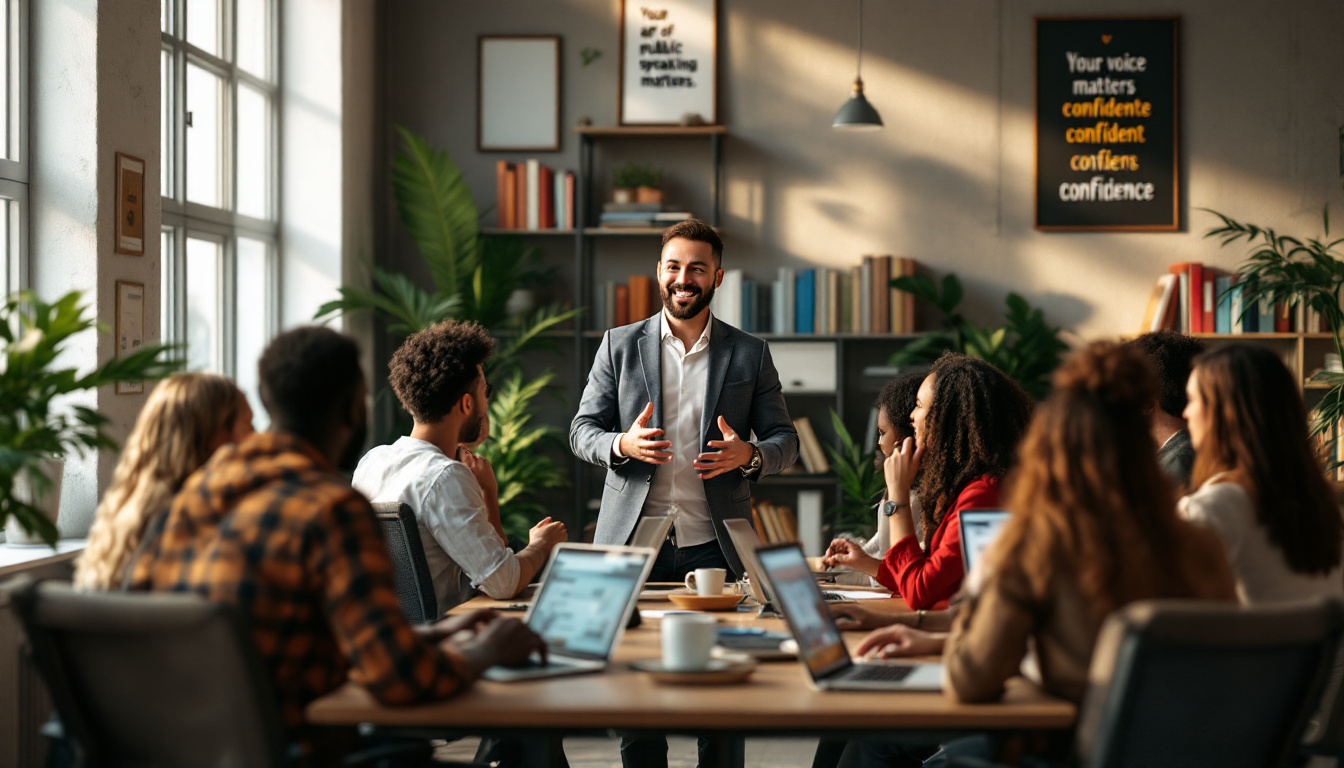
438 210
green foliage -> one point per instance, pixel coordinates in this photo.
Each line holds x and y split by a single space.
636 175
514 451
33 334
473 278
1025 348
860 481
589 55
1295 270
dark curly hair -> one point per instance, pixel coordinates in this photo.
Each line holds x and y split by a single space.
1170 355
434 368
972 428
307 377
696 231
897 400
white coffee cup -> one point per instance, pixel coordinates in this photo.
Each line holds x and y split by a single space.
706 582
687 640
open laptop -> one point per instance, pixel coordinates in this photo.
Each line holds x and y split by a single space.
821 648
581 609
979 529
746 542
651 531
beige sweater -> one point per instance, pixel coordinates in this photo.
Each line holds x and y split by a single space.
1001 621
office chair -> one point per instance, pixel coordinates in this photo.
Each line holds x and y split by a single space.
415 588
1176 683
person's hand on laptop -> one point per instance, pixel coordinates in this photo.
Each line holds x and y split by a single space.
464 622
899 640
846 552
852 616
503 640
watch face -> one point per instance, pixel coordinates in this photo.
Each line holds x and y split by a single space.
888 508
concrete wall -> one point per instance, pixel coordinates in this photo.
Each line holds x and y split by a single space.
949 181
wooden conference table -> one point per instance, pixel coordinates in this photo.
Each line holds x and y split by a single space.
777 700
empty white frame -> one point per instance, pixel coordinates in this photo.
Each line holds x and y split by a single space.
518 96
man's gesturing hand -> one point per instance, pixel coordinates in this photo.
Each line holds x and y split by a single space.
733 453
640 441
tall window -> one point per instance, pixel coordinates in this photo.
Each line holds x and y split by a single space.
14 143
218 129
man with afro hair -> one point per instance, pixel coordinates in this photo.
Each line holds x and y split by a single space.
437 376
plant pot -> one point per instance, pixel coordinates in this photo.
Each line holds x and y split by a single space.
648 195
623 195
50 504
520 302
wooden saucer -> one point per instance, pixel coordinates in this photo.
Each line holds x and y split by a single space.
693 602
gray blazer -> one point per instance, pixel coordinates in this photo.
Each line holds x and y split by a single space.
742 386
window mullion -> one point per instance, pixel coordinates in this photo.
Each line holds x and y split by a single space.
228 317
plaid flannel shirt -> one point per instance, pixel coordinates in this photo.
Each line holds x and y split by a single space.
268 525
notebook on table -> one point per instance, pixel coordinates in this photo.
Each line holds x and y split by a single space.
821 648
581 609
746 542
979 528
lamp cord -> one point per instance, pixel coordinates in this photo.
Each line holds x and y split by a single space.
858 74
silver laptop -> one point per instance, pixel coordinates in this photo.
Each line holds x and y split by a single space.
652 531
746 542
581 609
979 529
821 649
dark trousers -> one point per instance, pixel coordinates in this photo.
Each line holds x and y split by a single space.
673 564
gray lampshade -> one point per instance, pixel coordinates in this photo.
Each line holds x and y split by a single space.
857 114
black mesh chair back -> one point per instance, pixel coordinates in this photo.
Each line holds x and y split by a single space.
160 680
415 588
1182 683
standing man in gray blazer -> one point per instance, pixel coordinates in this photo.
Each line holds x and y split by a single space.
670 405
669 408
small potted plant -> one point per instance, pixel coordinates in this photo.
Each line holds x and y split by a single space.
637 183
36 434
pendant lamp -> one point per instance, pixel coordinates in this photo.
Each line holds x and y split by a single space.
857 114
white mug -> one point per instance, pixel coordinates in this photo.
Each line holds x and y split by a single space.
687 640
706 582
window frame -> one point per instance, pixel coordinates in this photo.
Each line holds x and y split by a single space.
14 172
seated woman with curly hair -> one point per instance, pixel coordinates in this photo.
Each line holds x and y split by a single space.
967 421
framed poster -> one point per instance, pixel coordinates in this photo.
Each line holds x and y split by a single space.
1107 149
518 93
130 205
130 328
669 61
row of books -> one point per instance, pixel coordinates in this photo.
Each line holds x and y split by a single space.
620 304
779 524
810 452
533 196
821 300
1193 298
636 215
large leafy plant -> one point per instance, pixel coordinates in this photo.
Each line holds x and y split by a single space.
1025 347
861 484
33 425
511 437
1295 270
473 277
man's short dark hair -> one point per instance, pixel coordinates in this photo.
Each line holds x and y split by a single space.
307 377
1169 354
698 231
434 368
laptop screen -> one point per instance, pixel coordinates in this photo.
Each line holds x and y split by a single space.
820 645
582 602
979 528
651 531
745 541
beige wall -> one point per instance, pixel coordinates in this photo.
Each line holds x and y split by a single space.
949 180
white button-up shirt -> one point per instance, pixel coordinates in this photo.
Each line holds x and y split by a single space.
676 485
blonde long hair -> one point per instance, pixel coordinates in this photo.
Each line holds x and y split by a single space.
181 424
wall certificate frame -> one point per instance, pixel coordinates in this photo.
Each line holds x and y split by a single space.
130 328
130 229
1107 124
669 62
518 93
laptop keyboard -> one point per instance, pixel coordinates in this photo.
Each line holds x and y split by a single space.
833 597
880 673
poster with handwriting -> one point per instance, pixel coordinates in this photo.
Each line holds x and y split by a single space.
1106 124
669 61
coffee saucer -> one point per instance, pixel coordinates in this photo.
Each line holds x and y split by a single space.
716 672
689 601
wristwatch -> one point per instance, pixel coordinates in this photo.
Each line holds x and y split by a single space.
754 465
889 507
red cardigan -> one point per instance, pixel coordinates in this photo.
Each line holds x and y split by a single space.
924 579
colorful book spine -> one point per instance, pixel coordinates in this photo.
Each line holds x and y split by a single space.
1222 320
805 311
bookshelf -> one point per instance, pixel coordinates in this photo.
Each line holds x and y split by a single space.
1302 353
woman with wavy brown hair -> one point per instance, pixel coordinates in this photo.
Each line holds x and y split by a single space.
186 417
1260 485
968 419
1094 527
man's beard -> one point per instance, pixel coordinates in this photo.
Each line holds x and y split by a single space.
471 430
698 301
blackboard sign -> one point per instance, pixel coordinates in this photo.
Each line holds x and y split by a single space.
1106 139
